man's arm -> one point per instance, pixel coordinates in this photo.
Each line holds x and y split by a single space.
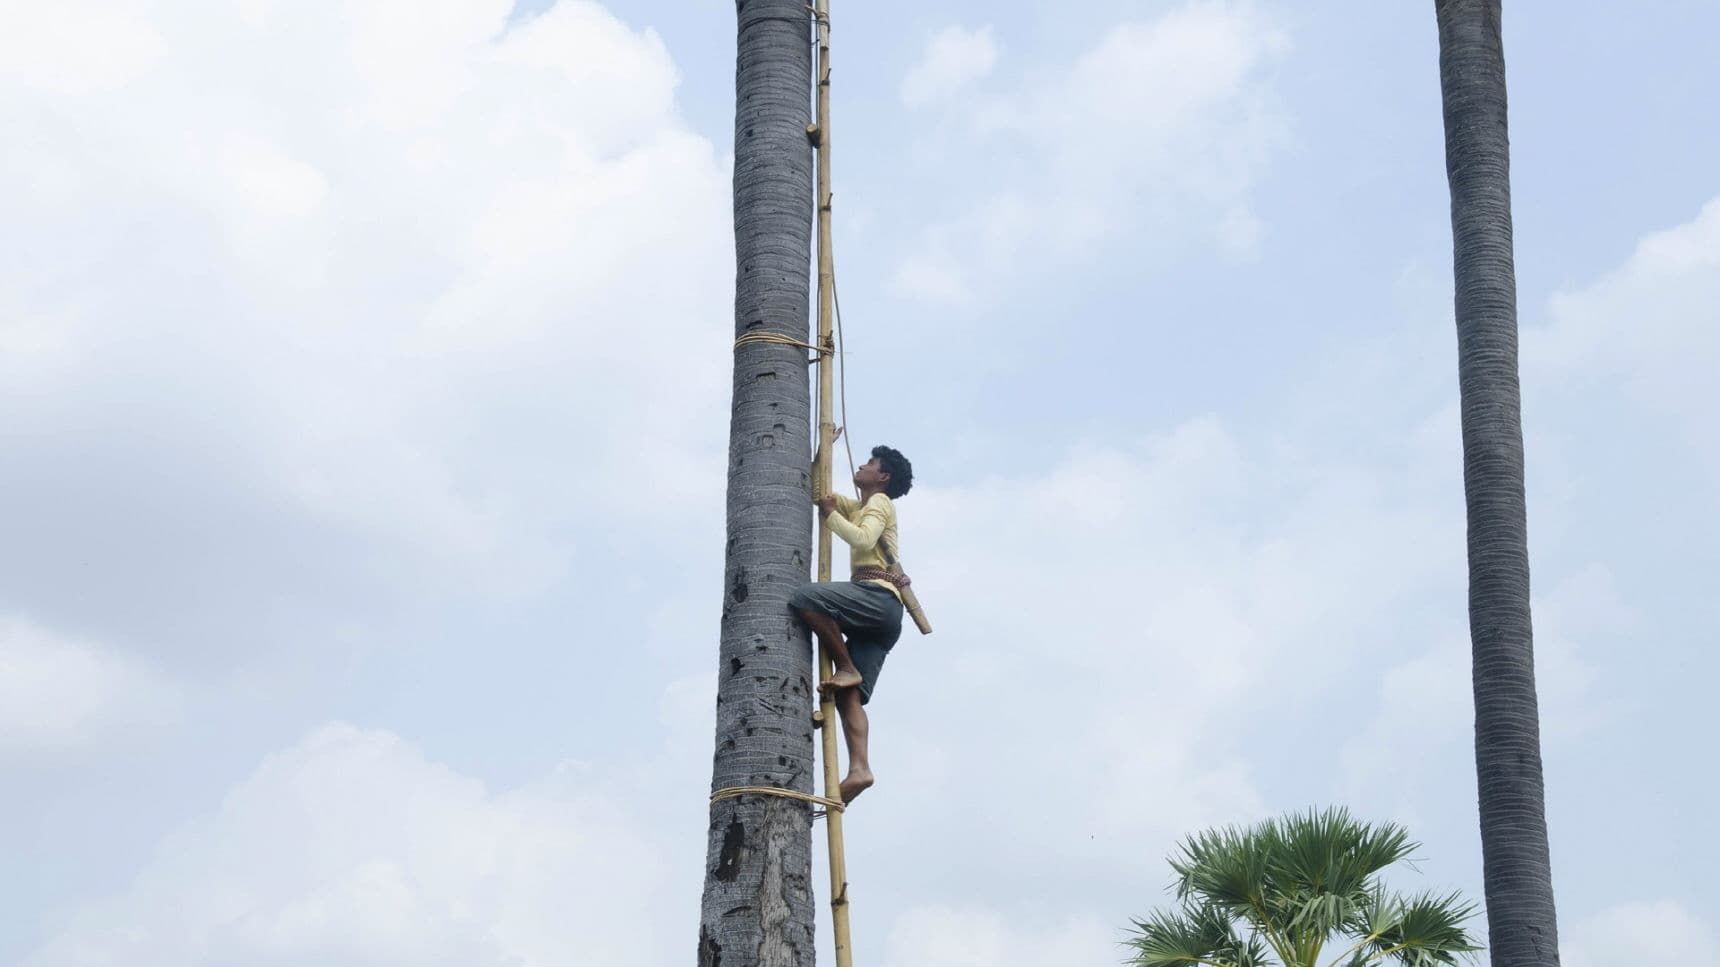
862 534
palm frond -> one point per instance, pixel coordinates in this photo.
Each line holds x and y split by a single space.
1324 913
1376 913
1179 939
1220 926
1330 851
1424 931
1195 935
1222 867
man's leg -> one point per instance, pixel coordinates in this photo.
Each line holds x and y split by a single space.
843 675
854 728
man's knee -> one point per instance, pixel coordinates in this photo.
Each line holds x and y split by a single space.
804 597
819 622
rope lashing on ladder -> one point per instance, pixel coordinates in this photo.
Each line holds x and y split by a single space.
780 339
734 791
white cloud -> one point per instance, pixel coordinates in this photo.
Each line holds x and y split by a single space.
95 48
1644 932
975 937
953 59
296 357
933 279
1650 328
59 693
1162 125
1425 713
1424 708
384 314
351 848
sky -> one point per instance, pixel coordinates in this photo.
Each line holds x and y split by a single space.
364 373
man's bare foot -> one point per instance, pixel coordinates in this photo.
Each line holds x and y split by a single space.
858 781
839 680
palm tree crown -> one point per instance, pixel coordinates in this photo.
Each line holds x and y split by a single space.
1288 891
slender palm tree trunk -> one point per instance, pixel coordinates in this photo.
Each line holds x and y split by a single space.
758 907
1522 928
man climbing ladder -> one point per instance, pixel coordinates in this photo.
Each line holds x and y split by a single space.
859 620
753 890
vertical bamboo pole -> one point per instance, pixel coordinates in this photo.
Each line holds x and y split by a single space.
827 449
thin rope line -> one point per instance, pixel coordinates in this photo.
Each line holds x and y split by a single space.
735 791
841 356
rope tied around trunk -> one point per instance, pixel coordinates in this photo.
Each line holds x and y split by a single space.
780 339
736 791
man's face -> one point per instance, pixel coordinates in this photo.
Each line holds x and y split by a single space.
870 474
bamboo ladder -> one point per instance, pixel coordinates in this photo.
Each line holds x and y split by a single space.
819 134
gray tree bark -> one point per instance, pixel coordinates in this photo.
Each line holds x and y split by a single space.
1522 927
758 904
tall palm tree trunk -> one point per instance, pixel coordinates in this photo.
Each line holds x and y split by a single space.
758 908
1522 928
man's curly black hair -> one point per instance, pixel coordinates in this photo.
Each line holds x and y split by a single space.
900 470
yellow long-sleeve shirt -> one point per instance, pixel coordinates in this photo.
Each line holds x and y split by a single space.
868 529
